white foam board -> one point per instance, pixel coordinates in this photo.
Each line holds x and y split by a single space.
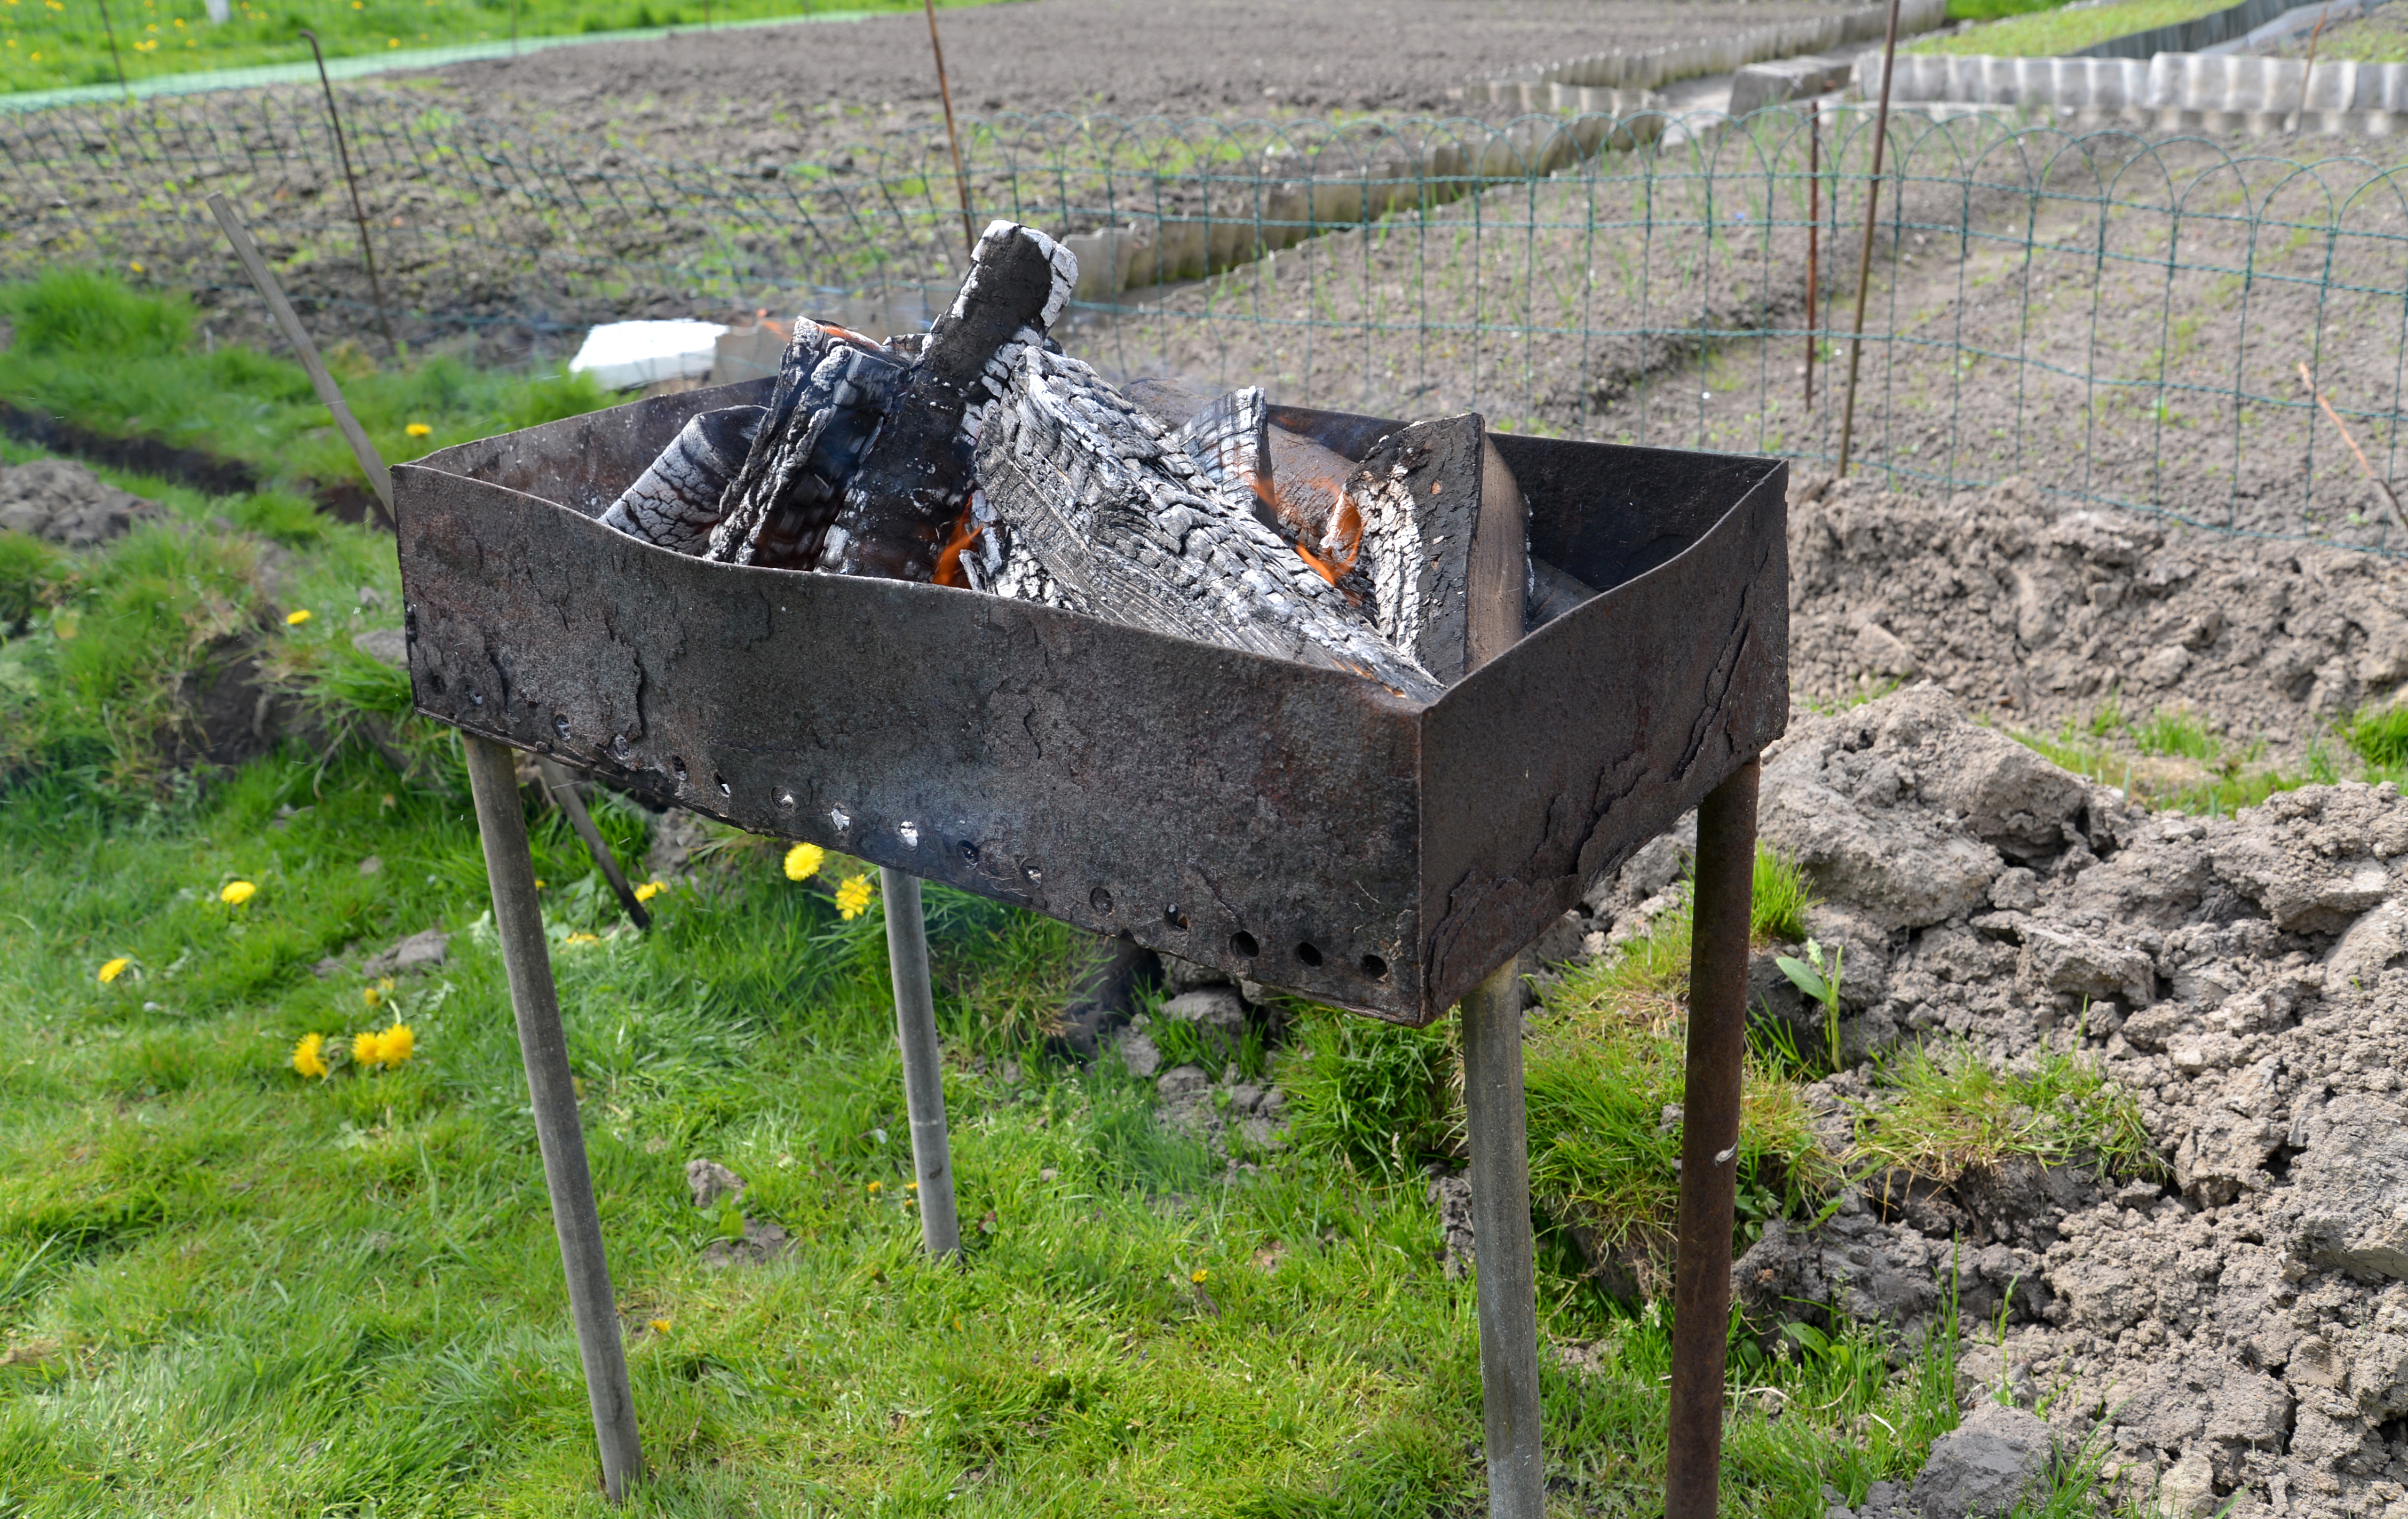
626 354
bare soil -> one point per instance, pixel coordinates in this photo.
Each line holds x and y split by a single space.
793 92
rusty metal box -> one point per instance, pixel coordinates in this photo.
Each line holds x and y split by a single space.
1302 828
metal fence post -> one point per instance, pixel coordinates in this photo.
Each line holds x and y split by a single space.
552 1090
923 1062
1500 1226
1709 1142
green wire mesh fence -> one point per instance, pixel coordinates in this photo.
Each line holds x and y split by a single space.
2170 324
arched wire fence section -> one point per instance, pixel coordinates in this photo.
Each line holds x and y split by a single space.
2123 318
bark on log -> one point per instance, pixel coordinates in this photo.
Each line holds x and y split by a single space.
832 392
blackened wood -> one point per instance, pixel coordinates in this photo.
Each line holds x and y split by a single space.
1709 1119
1169 402
915 478
675 503
1552 594
833 389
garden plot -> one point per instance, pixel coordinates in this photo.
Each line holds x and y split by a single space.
2112 318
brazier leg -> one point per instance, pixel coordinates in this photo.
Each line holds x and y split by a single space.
1710 1142
924 1067
510 869
563 791
1501 1223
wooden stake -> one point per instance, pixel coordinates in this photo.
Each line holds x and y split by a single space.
371 463
1865 258
2389 495
2309 77
552 1089
945 92
342 150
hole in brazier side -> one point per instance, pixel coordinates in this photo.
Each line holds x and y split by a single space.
1308 953
1174 918
1243 942
1375 967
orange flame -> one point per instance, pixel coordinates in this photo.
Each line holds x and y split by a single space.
966 528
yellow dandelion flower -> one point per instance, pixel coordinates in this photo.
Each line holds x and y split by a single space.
660 1326
1197 1276
115 968
649 890
852 898
803 860
368 1048
235 892
398 1044
309 1056
910 1186
297 616
574 940
877 1186
136 264
957 1324
418 429
370 995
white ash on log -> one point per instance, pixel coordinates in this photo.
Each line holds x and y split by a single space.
1445 540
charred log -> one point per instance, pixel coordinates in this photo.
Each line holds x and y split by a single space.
675 503
1551 592
832 393
1444 541
913 484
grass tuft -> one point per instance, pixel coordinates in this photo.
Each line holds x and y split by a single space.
1947 1111
2381 737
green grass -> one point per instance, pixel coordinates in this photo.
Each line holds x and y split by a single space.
2025 31
129 363
2172 761
228 1287
43 45
2380 736
1946 1111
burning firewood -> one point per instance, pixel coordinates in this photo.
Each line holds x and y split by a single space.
985 457
833 389
1099 512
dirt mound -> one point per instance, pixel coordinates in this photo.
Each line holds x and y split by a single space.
2037 615
2237 1321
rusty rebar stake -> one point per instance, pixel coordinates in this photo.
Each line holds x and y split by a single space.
111 27
1709 1101
368 254
945 92
1865 259
1813 240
